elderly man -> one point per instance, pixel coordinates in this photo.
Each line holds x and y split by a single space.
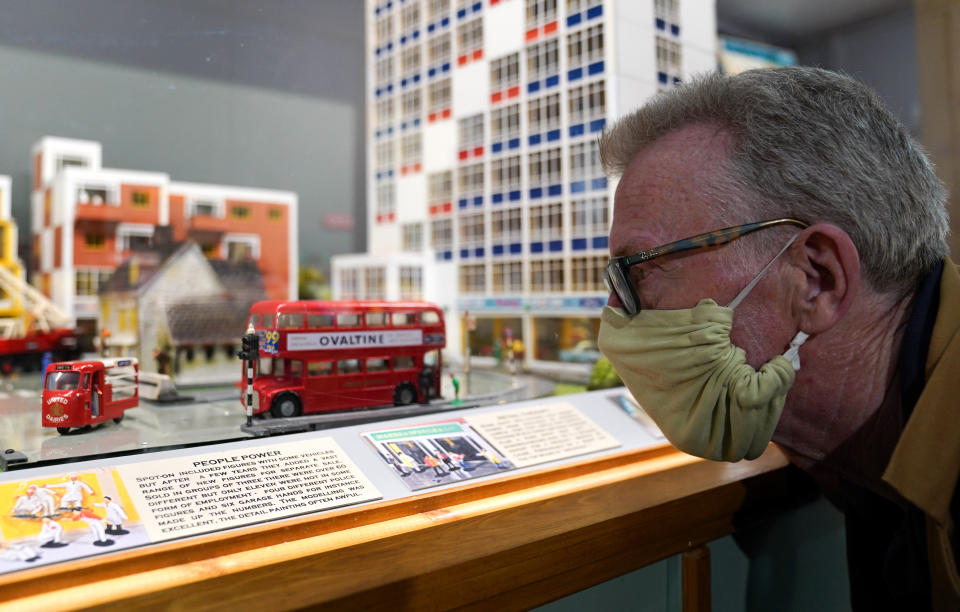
779 270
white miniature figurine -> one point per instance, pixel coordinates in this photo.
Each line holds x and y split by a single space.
51 534
73 492
115 516
97 527
48 498
28 504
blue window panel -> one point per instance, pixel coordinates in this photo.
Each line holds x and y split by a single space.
513 143
377 51
416 78
431 72
498 249
661 24
431 28
379 175
403 82
594 12
534 139
598 183
390 173
578 187
403 40
497 198
555 190
675 29
389 46
461 13
389 130
416 121
597 124
445 22
477 6
556 245
477 200
516 248
416 34
376 11
574 74
579 244
676 80
389 5
403 125
595 68
446 66
553 135
532 87
378 91
462 203
576 130
536 247
464 253
378 133
662 77
553 81
496 147
390 87
536 192
599 242
478 252
448 255
514 195
573 20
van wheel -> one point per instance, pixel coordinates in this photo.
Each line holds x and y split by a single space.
404 394
286 405
63 430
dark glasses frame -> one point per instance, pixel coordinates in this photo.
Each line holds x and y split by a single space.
617 276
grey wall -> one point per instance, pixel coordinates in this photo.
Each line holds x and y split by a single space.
262 94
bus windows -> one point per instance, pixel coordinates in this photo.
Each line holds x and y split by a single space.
348 319
265 366
320 368
403 363
254 320
429 317
431 358
377 364
376 318
86 382
404 318
294 368
319 320
289 321
267 321
348 366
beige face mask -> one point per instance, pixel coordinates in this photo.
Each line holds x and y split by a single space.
683 369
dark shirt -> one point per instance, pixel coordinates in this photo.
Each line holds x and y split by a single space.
886 535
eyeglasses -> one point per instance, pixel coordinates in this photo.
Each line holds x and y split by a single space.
617 278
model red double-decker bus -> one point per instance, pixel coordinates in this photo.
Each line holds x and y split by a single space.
319 356
81 393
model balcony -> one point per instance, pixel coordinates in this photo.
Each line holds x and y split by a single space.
100 212
208 224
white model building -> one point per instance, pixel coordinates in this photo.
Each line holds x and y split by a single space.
485 189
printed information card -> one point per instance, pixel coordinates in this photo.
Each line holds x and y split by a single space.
191 495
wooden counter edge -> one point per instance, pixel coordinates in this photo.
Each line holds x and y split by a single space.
494 534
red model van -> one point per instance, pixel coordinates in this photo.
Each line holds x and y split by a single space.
82 393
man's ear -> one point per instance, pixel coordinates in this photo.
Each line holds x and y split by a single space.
830 267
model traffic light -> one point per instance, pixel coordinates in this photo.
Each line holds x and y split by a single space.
251 347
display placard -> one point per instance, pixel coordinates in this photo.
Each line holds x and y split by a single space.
191 495
538 434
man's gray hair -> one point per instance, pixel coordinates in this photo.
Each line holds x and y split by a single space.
817 146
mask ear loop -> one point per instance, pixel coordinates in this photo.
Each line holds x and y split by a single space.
756 279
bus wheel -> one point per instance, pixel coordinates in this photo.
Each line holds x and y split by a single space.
285 405
404 394
118 419
63 430
6 366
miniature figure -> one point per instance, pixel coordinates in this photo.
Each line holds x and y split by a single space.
83 393
456 388
115 516
97 527
51 534
73 493
28 505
